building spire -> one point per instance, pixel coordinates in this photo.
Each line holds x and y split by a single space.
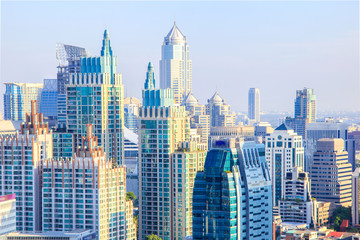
150 79
106 48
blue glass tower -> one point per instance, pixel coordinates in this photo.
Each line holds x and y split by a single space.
233 196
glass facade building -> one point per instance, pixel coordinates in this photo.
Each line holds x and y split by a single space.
233 195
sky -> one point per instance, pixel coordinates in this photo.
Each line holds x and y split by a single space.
276 46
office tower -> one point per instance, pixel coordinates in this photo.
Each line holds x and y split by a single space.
7 214
168 162
284 151
199 120
219 111
20 158
254 105
296 206
95 96
54 235
87 191
233 195
299 124
330 172
17 99
305 104
262 129
48 101
69 63
131 113
63 144
175 64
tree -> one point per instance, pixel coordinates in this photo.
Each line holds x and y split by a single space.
152 237
339 215
130 196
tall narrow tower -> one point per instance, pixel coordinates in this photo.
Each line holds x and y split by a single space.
254 104
305 104
95 96
175 65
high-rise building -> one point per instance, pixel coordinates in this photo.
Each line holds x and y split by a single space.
20 161
17 99
329 128
199 120
95 96
168 162
284 151
331 173
48 100
305 104
131 113
53 235
175 64
69 63
233 195
296 207
219 112
254 105
7 214
87 191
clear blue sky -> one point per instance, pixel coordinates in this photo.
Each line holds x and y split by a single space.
276 46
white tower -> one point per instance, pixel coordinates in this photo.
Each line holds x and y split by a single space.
175 65
254 104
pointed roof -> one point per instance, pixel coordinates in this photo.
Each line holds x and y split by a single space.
150 78
175 36
190 99
106 48
216 98
283 127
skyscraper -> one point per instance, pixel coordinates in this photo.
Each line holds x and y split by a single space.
131 113
331 173
69 63
175 64
87 191
95 96
20 161
305 104
17 99
254 104
168 162
284 150
233 195
355 208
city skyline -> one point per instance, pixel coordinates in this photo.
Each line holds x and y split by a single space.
252 46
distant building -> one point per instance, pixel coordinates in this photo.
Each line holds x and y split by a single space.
254 105
20 160
199 120
86 191
284 151
331 173
131 113
244 132
296 206
7 214
262 129
219 112
55 235
9 127
305 104
233 195
322 212
48 101
175 64
17 99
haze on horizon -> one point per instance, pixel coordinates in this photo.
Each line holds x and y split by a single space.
278 47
